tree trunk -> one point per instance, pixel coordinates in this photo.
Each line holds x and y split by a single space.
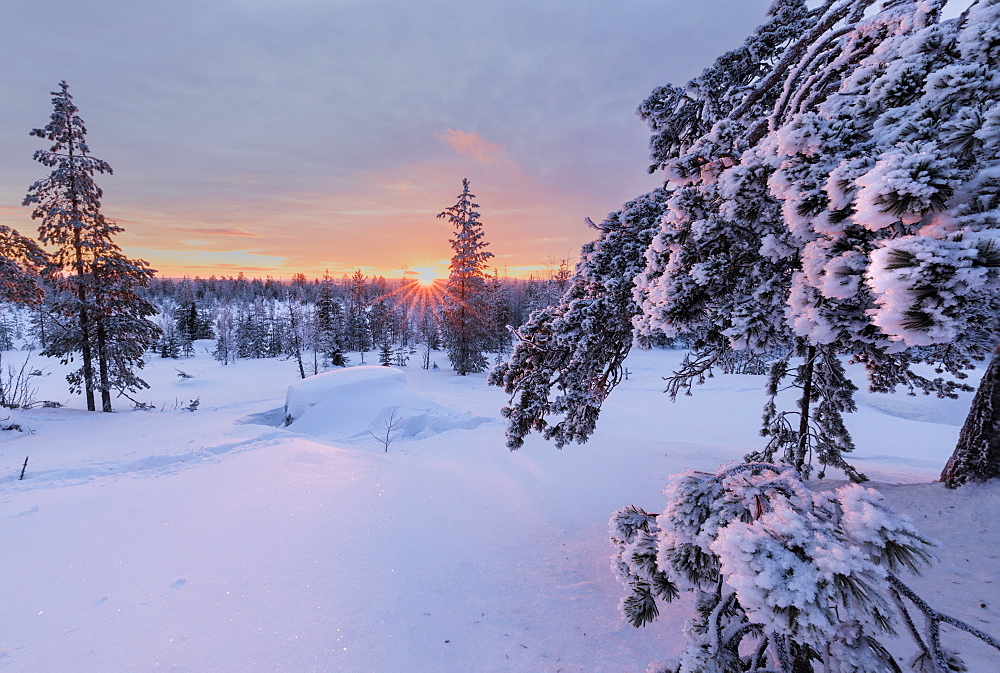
807 383
88 357
84 322
102 366
977 454
295 340
88 360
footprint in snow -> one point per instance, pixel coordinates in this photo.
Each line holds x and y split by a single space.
181 581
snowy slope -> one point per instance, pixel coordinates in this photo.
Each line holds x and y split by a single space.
218 540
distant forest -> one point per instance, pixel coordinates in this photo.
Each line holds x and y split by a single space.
316 321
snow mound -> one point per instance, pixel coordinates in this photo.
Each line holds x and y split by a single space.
352 403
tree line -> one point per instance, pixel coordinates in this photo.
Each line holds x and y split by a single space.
83 300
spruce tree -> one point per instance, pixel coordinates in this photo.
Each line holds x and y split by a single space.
124 330
296 330
385 353
107 319
380 318
225 350
356 331
328 325
499 313
465 330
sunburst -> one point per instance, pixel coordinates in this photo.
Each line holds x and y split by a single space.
428 277
425 294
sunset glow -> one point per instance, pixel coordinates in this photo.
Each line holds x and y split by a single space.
244 139
428 277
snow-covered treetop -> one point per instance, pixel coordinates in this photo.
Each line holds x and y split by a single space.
68 201
470 254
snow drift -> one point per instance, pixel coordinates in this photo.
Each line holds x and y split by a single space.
351 403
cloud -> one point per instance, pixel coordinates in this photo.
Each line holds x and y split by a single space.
379 118
218 232
473 145
248 261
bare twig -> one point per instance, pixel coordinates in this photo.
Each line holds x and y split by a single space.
390 425
15 389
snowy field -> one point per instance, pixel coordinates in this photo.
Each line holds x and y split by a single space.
219 540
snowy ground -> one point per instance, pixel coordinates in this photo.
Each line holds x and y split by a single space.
217 540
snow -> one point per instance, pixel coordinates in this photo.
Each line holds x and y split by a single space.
222 540
357 402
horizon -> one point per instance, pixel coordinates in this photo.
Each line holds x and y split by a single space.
415 277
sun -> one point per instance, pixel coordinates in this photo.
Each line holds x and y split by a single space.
428 277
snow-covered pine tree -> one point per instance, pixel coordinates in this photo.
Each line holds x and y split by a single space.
296 329
785 579
186 320
108 320
567 358
678 117
68 203
935 273
41 323
171 339
465 331
191 321
328 325
427 331
385 353
728 259
225 350
859 175
258 331
383 323
124 330
880 155
792 164
356 332
499 313
400 354
8 325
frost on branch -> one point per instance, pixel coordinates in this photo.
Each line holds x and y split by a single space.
23 264
830 193
785 579
568 357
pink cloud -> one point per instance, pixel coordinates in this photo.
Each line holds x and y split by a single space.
473 145
218 232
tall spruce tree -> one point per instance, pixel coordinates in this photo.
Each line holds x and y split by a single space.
466 335
104 318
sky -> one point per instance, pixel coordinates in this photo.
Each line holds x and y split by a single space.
325 135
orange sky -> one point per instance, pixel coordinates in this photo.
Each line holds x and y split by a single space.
382 223
313 135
